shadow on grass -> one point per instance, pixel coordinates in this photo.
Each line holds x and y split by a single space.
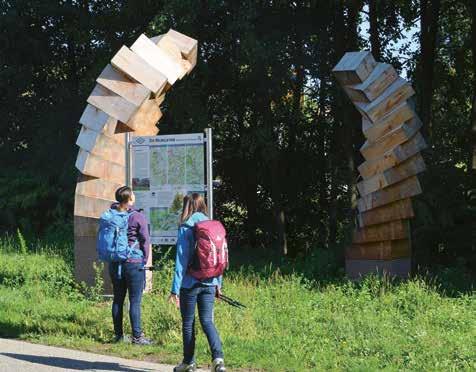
72 364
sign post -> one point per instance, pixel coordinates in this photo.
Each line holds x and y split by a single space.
209 157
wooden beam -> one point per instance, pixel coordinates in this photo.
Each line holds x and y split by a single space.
120 84
188 46
87 206
167 44
378 81
408 168
399 91
86 226
354 67
102 146
92 165
111 103
385 250
399 210
96 187
136 68
402 190
97 120
146 118
393 230
393 157
158 58
401 134
400 114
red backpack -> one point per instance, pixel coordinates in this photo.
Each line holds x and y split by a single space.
211 250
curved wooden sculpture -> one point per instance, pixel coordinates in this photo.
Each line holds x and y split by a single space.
126 98
382 241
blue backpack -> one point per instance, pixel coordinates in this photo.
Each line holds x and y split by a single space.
112 242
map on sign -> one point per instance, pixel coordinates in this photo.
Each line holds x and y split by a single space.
164 170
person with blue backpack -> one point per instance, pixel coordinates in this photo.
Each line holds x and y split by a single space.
202 256
124 242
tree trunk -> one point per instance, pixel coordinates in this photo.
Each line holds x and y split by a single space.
472 142
430 11
374 35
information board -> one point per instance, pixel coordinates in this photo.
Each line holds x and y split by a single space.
164 170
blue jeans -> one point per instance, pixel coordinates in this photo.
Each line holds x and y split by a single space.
132 280
204 296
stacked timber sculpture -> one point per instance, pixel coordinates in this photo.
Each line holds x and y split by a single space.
382 240
126 98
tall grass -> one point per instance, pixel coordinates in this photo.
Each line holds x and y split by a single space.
292 321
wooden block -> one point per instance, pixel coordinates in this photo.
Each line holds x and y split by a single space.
392 157
378 81
401 134
159 99
354 67
158 58
120 84
399 210
101 122
87 206
92 165
402 190
96 187
167 44
84 257
393 230
111 103
356 269
399 91
85 226
136 68
410 167
386 250
145 120
102 146
400 114
188 46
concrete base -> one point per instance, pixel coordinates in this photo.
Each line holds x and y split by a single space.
356 269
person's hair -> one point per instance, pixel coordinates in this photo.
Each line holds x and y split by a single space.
123 194
191 204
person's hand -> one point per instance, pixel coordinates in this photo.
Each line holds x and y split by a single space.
218 293
174 299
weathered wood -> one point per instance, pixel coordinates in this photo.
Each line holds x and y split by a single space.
399 91
188 46
354 67
159 99
87 206
410 167
111 103
356 269
385 250
167 44
120 84
393 230
86 226
92 165
97 120
146 118
378 81
138 69
399 210
158 58
401 134
400 114
96 187
392 157
102 146
402 190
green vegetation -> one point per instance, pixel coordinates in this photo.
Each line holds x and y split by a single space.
292 322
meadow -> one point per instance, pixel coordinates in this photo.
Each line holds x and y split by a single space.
294 321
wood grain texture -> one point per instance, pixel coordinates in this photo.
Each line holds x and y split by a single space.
111 103
138 69
102 146
354 67
92 165
96 187
393 230
146 118
87 206
382 76
402 190
399 210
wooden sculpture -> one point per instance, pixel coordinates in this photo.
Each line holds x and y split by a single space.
382 241
126 98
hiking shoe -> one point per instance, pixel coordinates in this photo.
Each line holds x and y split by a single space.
141 340
184 367
218 365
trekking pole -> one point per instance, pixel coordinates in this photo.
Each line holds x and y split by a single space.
232 302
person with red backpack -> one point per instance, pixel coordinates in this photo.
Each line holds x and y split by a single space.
202 256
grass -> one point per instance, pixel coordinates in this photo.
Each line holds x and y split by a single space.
291 323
